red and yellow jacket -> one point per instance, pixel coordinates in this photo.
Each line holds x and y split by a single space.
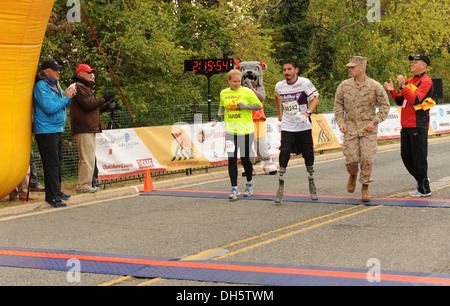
408 98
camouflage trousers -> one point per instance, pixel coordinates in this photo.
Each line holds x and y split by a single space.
359 152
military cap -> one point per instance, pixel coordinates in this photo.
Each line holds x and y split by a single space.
356 61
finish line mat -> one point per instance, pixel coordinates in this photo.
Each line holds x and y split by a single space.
211 271
288 197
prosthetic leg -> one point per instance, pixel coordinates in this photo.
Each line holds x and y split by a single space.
312 186
280 190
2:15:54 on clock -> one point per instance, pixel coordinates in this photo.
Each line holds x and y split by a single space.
208 66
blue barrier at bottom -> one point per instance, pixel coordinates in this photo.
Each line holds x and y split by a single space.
211 271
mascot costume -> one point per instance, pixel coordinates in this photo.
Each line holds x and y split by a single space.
252 77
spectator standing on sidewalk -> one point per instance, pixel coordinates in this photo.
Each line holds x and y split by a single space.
49 119
85 123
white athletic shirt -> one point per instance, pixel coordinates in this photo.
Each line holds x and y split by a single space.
295 98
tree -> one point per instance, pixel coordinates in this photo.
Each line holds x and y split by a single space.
296 33
343 30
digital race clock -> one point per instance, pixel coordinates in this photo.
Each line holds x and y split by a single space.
208 66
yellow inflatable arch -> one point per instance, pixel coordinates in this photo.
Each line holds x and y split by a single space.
22 29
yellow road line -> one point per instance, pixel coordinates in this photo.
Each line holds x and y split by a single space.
442 187
115 281
273 239
211 251
405 192
293 233
207 252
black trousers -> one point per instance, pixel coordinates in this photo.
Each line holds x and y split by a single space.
414 152
235 142
296 142
50 149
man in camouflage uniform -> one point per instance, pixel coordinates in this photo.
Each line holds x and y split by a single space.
355 114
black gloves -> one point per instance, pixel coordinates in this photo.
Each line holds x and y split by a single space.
109 95
110 106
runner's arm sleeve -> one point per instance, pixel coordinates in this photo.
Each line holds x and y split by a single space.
253 107
252 101
221 111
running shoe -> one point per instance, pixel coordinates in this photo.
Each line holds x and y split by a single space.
249 189
89 189
418 194
234 194
37 188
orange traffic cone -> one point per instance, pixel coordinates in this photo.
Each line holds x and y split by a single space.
148 184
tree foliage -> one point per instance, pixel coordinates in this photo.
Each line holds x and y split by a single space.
296 33
405 28
146 42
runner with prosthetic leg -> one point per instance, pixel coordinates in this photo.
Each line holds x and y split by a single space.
296 98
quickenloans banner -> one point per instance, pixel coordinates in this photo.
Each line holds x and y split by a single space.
127 152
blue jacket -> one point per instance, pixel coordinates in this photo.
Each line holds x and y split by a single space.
49 108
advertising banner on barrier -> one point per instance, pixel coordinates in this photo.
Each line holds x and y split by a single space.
127 152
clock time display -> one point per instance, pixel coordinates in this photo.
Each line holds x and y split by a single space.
208 66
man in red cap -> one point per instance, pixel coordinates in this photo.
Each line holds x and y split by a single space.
85 123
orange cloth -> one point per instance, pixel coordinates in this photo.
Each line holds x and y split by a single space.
259 115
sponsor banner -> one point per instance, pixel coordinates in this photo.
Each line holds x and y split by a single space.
127 152
174 146
440 119
391 127
122 153
324 135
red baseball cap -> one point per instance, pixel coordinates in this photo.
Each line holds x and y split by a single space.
84 67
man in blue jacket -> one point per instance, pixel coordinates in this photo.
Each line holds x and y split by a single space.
49 119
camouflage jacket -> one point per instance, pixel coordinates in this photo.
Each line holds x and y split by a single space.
355 104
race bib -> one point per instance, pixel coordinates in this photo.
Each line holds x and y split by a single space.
229 146
290 107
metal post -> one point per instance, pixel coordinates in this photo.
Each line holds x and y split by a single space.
209 97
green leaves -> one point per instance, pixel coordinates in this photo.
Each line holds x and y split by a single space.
147 41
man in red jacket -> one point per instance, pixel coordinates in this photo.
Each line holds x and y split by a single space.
85 123
414 121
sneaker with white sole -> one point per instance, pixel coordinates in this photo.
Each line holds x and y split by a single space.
89 189
418 194
249 189
234 194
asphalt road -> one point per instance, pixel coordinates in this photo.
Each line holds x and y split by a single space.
409 239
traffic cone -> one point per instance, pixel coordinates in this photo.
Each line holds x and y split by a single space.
148 184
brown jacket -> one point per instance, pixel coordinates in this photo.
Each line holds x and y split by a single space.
85 109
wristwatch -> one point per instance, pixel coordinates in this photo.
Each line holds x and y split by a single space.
402 87
375 122
308 112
